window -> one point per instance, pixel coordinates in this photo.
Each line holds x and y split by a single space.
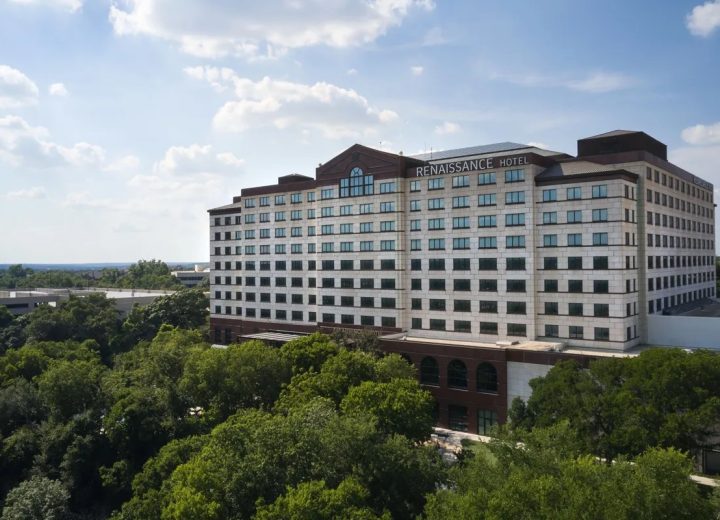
461 243
516 308
416 284
457 374
461 202
415 244
574 193
487 243
249 203
574 216
310 213
387 245
600 286
365 209
515 286
279 200
515 219
550 241
601 262
488 306
514 176
486 178
387 303
461 222
575 262
551 286
461 264
599 191
461 305
463 181
366 245
552 331
434 204
487 199
575 286
487 221
415 186
437 284
366 227
388 187
429 372
345 228
346 247
436 305
514 197
575 332
550 263
488 327
550 217
435 244
415 225
600 239
551 308
436 223
574 239
458 418
461 285
575 309
346 210
415 205
487 264
437 324
601 310
549 195
357 184
486 285
602 333
295 198
462 326
436 184
514 241
599 215
326 229
279 216
327 247
487 378
515 264
516 329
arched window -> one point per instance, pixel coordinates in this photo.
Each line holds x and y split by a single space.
487 379
429 372
457 374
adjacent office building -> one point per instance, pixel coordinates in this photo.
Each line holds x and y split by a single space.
479 264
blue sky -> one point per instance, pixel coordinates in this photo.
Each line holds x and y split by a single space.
122 122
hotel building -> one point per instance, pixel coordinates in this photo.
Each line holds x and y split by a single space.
482 265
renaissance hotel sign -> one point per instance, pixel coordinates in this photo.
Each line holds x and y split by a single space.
471 165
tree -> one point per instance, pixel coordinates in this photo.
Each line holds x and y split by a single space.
70 387
362 340
399 406
547 478
314 501
36 499
309 352
187 309
6 317
663 397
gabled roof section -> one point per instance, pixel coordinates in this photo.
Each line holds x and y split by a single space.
370 160
471 150
619 141
613 133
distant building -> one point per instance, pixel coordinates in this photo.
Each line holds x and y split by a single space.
193 278
483 266
22 302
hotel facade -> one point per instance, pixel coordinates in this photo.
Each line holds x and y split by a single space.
483 266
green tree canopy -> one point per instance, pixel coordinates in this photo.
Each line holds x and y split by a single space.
37 499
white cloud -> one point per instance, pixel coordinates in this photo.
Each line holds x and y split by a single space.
434 37
596 82
601 82
702 134
704 19
58 89
335 111
447 128
36 192
16 89
352 72
700 160
417 70
68 5
23 144
260 29
124 164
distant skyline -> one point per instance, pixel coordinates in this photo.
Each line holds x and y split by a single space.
123 121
